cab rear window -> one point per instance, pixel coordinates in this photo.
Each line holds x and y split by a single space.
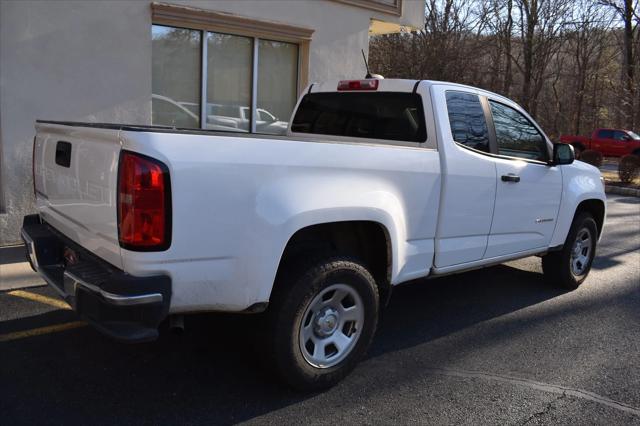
382 115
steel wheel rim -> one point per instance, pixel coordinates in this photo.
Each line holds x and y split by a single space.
331 326
581 252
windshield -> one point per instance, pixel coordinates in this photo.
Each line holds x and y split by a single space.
634 135
380 115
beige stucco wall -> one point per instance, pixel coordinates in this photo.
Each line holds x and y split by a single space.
91 61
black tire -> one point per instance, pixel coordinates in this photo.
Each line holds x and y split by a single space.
636 152
557 266
296 289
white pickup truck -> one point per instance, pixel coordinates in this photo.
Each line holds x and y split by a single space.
376 183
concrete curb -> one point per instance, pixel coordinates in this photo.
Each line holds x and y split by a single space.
619 190
15 271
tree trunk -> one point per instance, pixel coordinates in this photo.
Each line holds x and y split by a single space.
628 63
530 23
508 74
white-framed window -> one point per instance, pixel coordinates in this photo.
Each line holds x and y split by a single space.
219 81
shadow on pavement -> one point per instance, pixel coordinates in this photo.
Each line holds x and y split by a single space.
212 372
12 254
430 309
628 200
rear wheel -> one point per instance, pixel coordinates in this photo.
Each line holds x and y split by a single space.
570 266
322 319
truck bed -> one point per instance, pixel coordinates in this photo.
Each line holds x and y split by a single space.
235 197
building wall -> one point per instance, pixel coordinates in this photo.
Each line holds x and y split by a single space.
91 61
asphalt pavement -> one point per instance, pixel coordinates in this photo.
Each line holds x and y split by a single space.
494 346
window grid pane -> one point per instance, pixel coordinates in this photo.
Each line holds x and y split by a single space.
277 85
229 76
175 83
209 80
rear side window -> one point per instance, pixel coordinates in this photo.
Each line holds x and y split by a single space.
382 115
605 134
467 120
515 134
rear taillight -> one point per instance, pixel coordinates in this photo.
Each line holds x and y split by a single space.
144 203
370 84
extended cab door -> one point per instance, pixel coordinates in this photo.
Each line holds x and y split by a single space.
468 174
528 190
604 142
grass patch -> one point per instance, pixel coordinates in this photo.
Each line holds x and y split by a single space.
612 178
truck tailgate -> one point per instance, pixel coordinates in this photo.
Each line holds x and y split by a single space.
75 178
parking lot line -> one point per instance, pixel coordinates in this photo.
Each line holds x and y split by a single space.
41 330
40 299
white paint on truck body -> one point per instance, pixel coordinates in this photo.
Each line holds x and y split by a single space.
238 201
80 200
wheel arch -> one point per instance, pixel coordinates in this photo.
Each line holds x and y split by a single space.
583 190
369 241
596 208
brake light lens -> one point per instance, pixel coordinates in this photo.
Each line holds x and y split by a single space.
144 203
369 84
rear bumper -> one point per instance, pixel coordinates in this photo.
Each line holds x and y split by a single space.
119 305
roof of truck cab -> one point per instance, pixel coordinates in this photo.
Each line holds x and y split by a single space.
401 85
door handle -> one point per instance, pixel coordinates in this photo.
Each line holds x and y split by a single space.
510 178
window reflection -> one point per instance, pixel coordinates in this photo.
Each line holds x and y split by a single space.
515 134
467 121
620 136
277 85
229 66
605 134
175 80
378 115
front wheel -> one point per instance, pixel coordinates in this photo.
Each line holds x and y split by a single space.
322 319
570 266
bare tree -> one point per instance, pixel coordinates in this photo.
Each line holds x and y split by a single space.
586 43
499 21
627 10
442 43
540 25
561 54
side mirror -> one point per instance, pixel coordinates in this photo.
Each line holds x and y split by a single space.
563 153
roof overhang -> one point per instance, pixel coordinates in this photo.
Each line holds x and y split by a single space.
378 27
